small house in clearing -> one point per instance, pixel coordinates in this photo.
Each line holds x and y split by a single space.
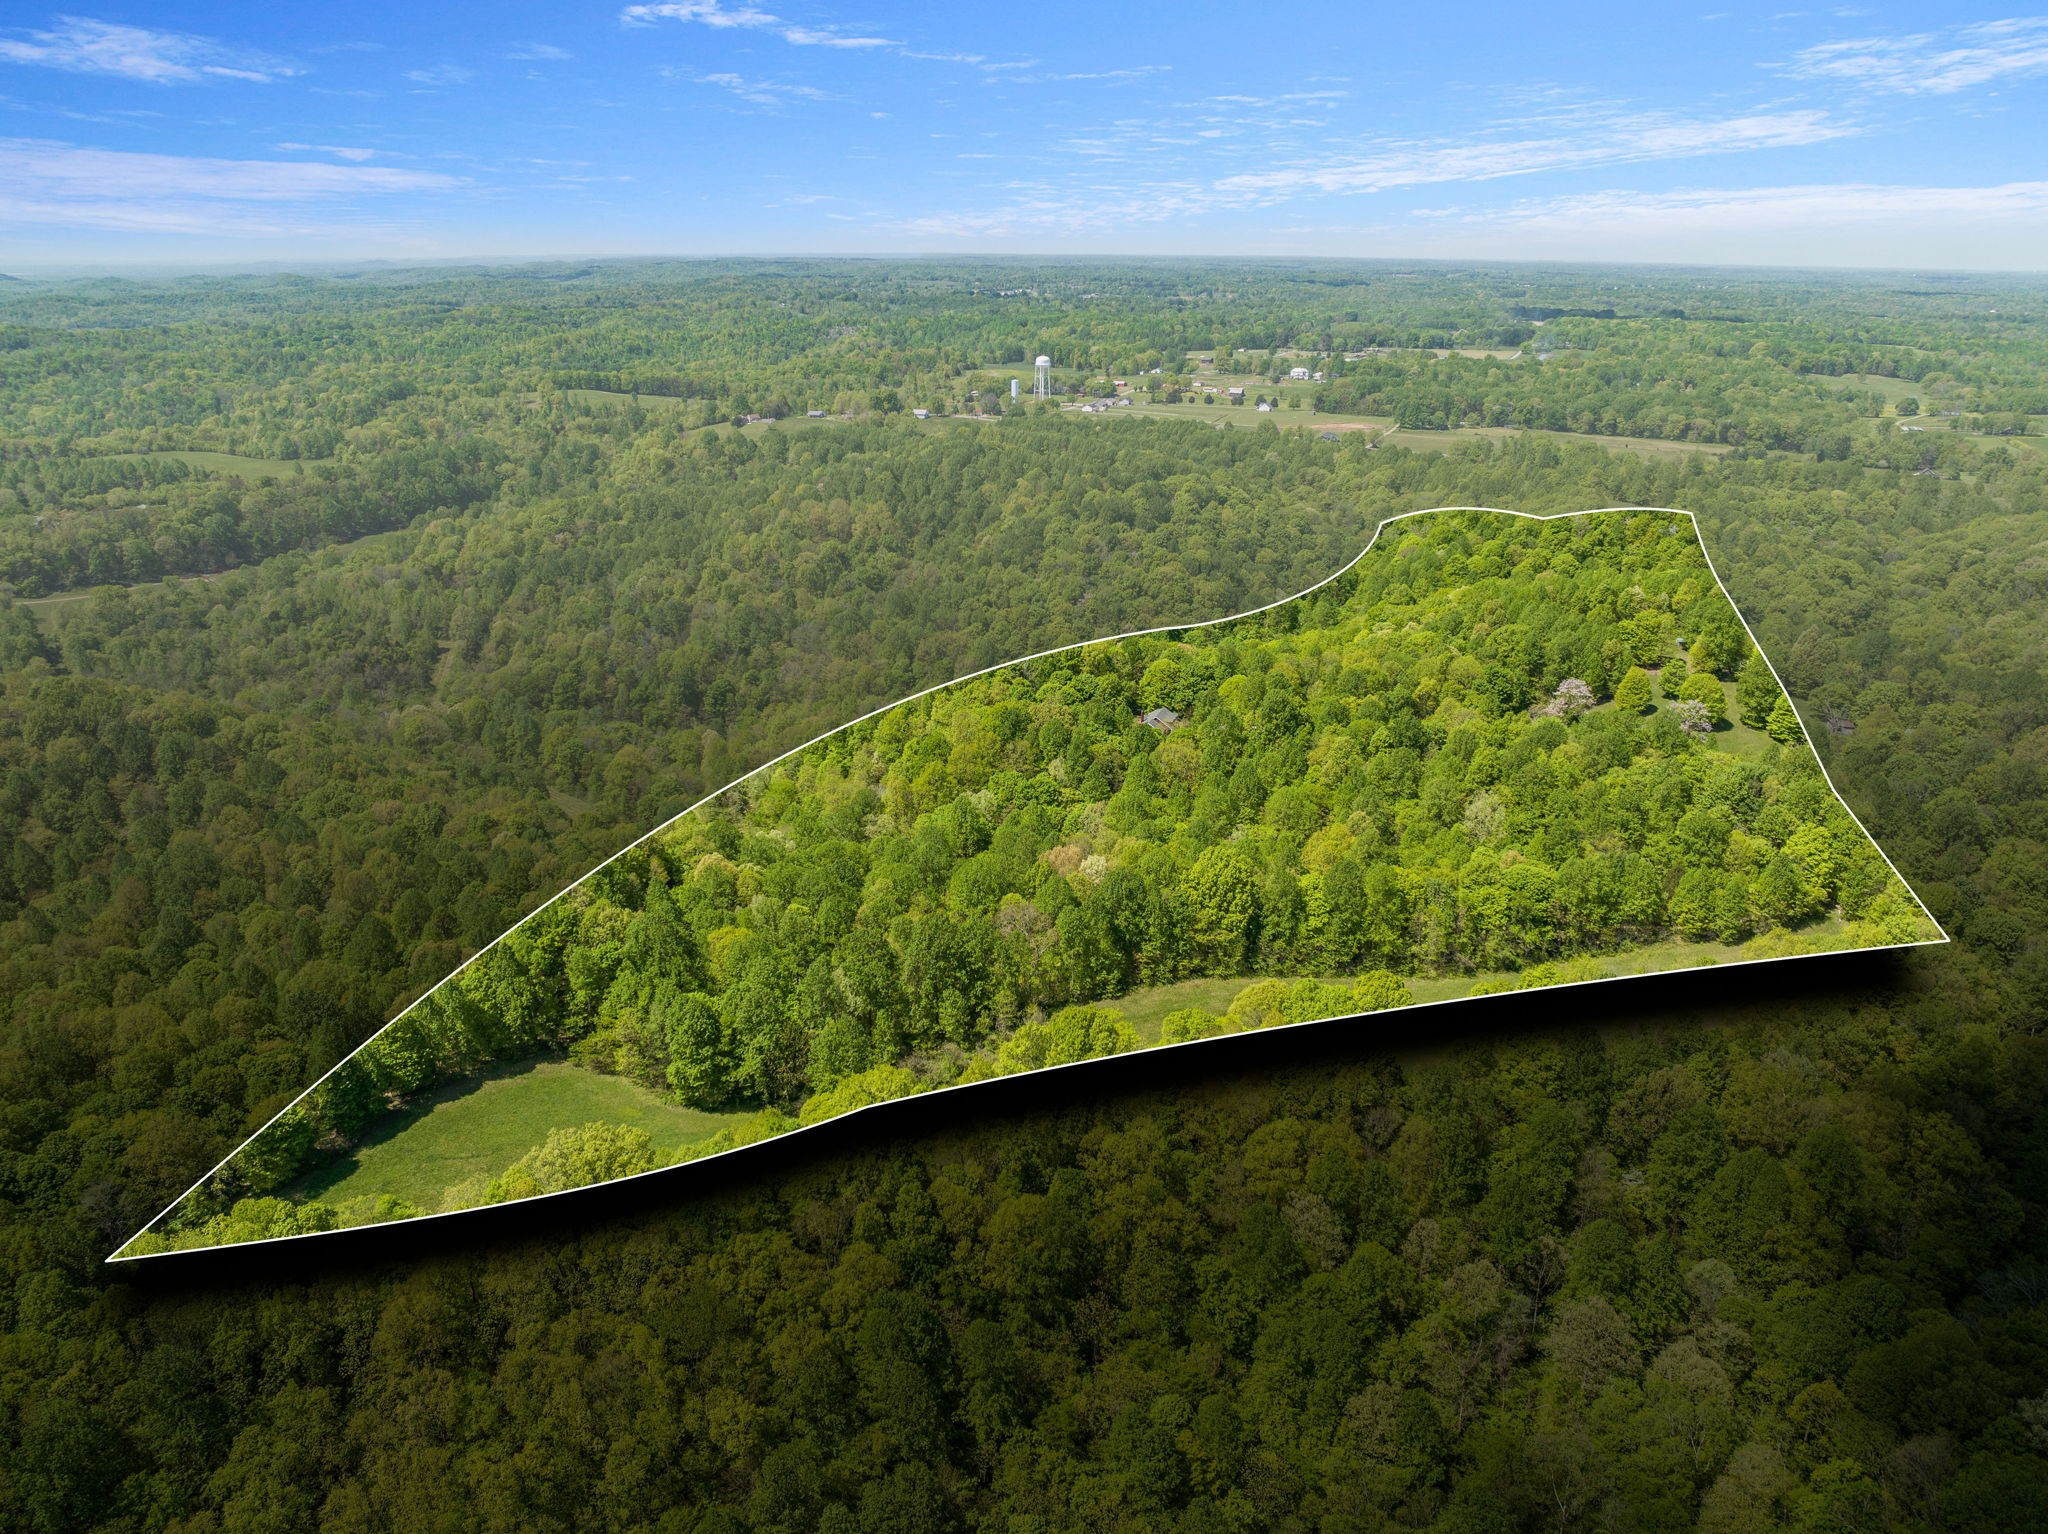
1164 720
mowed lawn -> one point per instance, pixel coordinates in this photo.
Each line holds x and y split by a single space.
477 1128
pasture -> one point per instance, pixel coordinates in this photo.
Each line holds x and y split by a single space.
476 1128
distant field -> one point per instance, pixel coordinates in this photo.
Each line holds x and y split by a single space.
608 397
1644 447
1893 389
1216 413
1145 1010
47 610
1418 441
664 402
479 1127
233 463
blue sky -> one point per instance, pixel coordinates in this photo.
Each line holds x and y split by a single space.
208 133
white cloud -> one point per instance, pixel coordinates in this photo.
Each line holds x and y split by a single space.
1617 139
539 52
1157 189
1926 63
44 182
764 93
339 151
440 76
1106 76
1836 205
714 13
84 46
1855 224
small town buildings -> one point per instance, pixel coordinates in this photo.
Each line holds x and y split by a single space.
922 415
1236 394
815 415
1299 375
1164 720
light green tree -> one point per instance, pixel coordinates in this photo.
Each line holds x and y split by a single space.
700 1064
1633 692
1378 989
1756 691
1222 891
574 1158
1704 688
1783 724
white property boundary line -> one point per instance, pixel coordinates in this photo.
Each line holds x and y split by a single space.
1164 628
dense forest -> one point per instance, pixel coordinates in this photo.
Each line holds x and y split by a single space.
1772 1267
1410 769
187 427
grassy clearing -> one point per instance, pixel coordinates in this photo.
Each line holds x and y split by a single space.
234 463
48 610
1382 429
1892 389
1642 447
1215 412
611 397
1732 735
1145 1010
479 1127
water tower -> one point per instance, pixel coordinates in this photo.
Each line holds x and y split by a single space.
1041 378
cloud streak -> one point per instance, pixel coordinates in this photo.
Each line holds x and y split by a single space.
1775 207
80 45
1931 64
1613 140
1593 141
714 13
339 151
441 76
51 183
763 93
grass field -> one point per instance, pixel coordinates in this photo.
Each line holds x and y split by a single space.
234 463
1893 389
47 610
1734 735
478 1127
1145 1010
609 397
1216 413
1381 429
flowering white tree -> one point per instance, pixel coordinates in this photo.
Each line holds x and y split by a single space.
1693 717
1572 698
